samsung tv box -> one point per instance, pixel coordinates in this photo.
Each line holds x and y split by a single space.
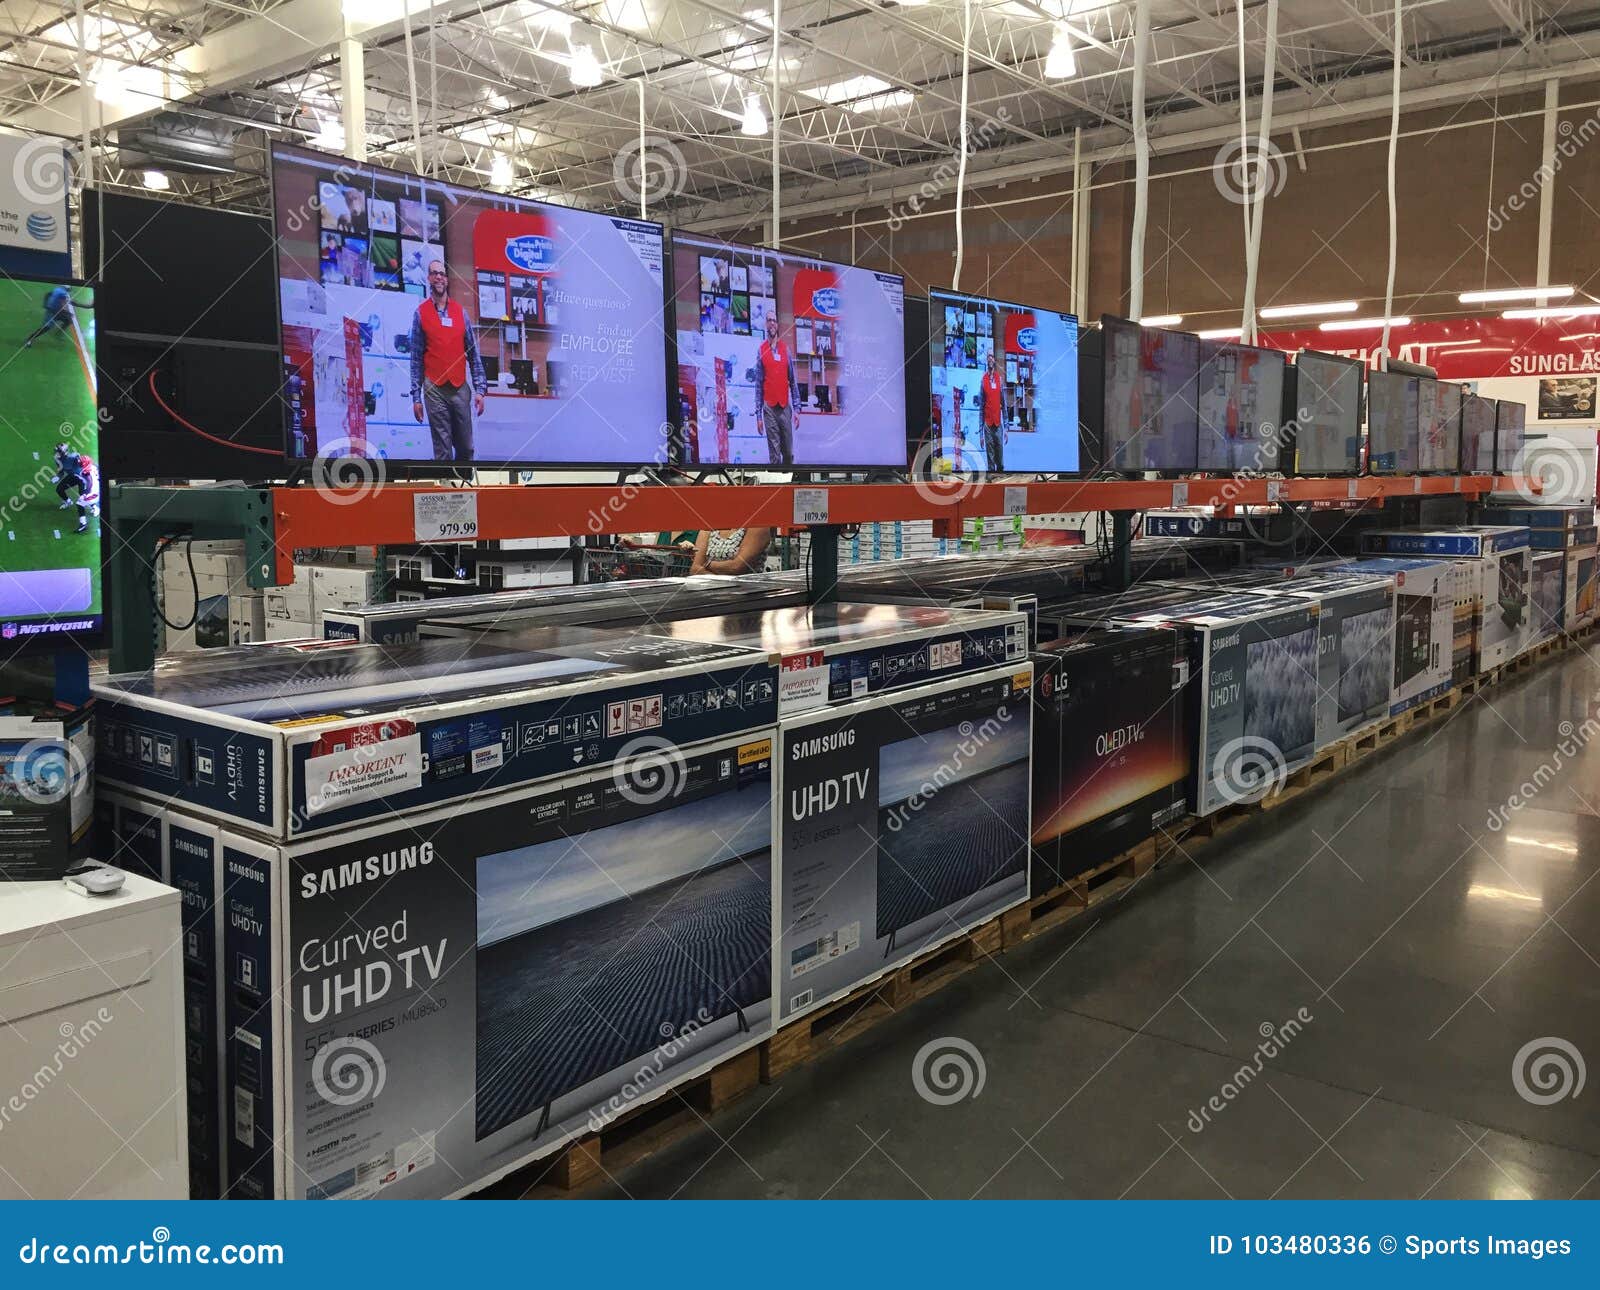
1459 540
297 739
833 653
1111 747
621 603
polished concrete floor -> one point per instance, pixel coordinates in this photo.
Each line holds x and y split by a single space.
1401 951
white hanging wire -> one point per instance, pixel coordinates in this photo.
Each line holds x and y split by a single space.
961 165
1394 216
1141 159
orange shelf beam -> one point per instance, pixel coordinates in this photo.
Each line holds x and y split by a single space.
385 515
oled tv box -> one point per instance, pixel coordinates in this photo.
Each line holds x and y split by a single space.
291 740
589 604
1255 660
1111 747
901 823
416 1006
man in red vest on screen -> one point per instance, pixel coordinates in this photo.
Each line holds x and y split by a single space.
994 435
444 352
779 392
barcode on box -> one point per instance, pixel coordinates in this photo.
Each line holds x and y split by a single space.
800 1000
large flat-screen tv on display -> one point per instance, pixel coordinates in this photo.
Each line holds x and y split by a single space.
1240 406
840 332
186 296
50 450
1439 427
1151 421
1392 423
1033 356
563 306
1477 434
1323 398
1510 435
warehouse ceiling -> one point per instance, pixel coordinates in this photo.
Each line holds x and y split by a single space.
870 90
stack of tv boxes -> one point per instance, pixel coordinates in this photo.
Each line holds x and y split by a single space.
1501 560
450 904
1567 536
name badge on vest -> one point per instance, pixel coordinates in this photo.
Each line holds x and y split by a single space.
446 321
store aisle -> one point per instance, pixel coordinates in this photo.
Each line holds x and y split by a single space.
1330 1006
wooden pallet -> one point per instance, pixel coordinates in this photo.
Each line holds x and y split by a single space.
634 1134
1078 894
877 1000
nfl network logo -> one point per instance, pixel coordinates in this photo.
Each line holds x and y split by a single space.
8 631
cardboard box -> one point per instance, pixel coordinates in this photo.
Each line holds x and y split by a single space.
1426 618
902 822
46 789
1111 747
1545 614
1582 593
335 587
413 1008
289 629
1540 517
294 740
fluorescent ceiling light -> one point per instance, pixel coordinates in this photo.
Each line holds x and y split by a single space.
1160 320
330 134
501 171
156 181
585 67
626 13
1060 63
755 120
1221 333
1363 324
1553 311
861 93
1514 293
1310 311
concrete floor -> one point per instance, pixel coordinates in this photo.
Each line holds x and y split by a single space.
1426 948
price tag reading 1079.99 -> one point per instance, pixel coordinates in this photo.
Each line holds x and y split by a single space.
445 517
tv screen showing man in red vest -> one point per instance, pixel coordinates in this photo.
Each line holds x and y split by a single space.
426 322
444 354
780 391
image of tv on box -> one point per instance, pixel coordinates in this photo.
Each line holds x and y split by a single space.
418 1006
1424 625
902 822
297 739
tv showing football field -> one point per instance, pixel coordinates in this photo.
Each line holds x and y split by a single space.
50 453
429 322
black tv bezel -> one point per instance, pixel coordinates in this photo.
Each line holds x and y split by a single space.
756 248
668 374
1283 359
91 637
1477 468
1416 429
1107 321
1497 468
950 293
1360 413
1460 421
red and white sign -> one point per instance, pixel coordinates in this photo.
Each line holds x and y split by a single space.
1464 349
800 662
363 772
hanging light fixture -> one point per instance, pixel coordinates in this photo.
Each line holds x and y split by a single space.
156 181
585 68
501 172
755 120
1060 63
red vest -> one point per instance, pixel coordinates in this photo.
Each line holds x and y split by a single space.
774 375
444 358
991 398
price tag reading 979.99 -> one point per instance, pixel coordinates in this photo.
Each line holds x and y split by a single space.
445 517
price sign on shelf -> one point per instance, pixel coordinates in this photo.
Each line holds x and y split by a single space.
1416 483
1277 490
1354 491
1180 493
811 506
445 517
1016 499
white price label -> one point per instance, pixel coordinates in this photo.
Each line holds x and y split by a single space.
811 506
1416 483
1354 492
1016 499
1180 493
445 517
1277 489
